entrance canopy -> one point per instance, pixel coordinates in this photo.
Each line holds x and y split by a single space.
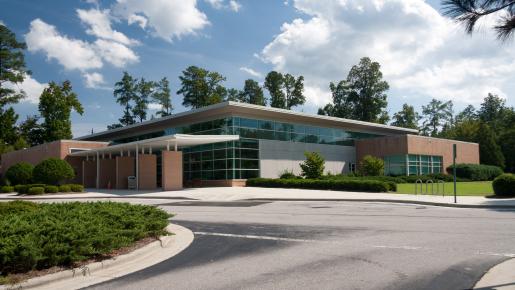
170 142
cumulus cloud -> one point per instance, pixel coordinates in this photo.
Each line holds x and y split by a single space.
75 54
154 106
167 19
421 52
115 53
31 87
234 5
70 53
251 72
138 19
99 25
93 80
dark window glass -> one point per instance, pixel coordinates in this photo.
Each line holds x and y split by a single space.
195 156
207 165
266 125
220 154
249 164
207 175
265 134
249 154
207 155
248 133
282 136
195 166
220 164
219 174
248 123
245 143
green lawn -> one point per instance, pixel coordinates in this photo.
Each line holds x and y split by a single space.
477 188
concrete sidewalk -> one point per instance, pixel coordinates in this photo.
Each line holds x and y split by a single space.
259 193
499 277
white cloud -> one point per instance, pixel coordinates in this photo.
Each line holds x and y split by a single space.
75 54
93 80
154 106
99 25
140 20
2 23
168 19
70 53
251 72
217 4
31 87
421 52
115 53
234 5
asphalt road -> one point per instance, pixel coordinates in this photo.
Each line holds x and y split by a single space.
330 245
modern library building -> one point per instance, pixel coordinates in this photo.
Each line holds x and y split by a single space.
226 143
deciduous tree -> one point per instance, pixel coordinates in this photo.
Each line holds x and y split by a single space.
55 106
201 87
406 118
252 93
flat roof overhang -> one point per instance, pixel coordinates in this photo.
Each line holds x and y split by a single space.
164 142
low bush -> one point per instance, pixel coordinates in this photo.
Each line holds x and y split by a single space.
20 173
371 166
332 184
65 188
36 190
51 189
287 175
313 166
21 188
53 171
39 236
476 172
76 187
504 185
7 189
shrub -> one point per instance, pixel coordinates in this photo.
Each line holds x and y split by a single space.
36 190
287 175
20 173
51 189
7 189
76 187
476 172
53 171
371 166
65 188
21 188
348 185
314 165
39 236
504 185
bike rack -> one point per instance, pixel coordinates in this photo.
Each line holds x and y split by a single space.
416 183
438 187
432 186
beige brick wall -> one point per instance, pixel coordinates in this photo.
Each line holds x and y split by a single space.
171 175
147 171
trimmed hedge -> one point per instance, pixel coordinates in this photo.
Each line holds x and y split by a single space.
20 173
76 187
51 189
65 188
7 189
36 190
39 236
476 172
504 185
343 184
53 171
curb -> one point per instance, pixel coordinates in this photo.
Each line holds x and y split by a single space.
122 265
500 276
96 197
441 204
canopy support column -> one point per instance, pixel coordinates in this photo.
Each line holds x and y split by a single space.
137 167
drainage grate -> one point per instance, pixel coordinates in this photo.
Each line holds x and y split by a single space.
216 203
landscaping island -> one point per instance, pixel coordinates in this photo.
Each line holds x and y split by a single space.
35 237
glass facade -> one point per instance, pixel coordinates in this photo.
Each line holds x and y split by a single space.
240 159
412 164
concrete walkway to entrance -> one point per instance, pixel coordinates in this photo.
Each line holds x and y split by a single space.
259 193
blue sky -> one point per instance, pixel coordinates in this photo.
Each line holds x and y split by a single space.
423 54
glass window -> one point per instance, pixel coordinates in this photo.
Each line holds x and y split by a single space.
220 164
249 154
249 164
266 125
220 154
207 155
207 165
248 123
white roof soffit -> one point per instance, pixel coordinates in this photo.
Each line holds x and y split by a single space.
181 140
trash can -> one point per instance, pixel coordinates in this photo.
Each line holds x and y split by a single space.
131 182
